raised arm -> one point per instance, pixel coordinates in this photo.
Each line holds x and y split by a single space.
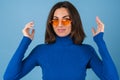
18 67
103 67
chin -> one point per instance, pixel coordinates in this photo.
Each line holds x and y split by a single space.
62 35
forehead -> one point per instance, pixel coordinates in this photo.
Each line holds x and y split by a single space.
60 12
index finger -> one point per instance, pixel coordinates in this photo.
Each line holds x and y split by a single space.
29 25
98 20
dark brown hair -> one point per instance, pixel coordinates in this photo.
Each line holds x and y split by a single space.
77 33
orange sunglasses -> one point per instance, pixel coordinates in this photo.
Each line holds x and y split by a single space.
64 22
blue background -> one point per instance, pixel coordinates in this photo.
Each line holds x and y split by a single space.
14 14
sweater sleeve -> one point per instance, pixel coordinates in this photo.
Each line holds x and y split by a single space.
18 67
104 67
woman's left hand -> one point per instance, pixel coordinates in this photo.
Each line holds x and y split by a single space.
100 27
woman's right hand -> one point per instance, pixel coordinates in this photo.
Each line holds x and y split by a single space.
28 30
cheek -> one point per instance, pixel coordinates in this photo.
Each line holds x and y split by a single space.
69 29
55 29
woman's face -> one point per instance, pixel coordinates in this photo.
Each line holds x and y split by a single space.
61 22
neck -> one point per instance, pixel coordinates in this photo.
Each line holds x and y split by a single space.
66 40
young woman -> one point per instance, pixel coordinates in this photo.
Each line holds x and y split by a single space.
63 56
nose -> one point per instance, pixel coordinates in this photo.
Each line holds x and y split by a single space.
60 23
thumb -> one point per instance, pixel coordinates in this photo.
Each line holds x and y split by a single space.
32 33
93 31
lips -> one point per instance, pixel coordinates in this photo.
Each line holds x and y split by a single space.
61 30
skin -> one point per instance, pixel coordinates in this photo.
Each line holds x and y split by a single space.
61 30
26 31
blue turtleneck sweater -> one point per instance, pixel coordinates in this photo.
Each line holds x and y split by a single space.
62 60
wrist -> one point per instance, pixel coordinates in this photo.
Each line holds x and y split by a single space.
98 37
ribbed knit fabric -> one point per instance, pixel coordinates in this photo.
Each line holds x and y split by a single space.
62 60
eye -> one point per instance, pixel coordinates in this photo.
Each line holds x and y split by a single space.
66 21
55 22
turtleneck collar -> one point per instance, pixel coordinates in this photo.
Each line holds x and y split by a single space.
64 40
